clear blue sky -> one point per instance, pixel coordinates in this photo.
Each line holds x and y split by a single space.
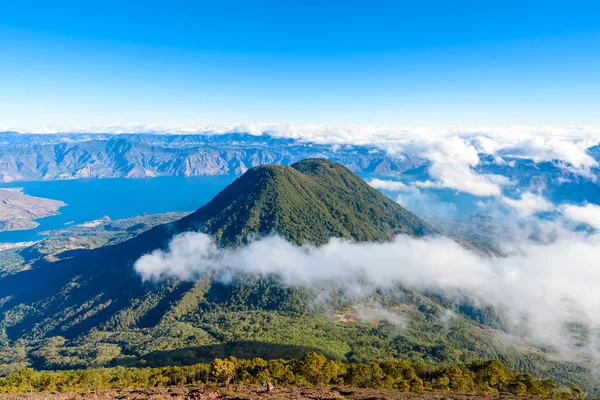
414 62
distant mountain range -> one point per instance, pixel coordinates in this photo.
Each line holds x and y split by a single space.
84 308
27 157
72 156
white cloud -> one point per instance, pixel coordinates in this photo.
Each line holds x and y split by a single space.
425 203
384 184
484 144
540 142
466 180
374 313
452 161
587 214
542 286
529 204
452 151
541 148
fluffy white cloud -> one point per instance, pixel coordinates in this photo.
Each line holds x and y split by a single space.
386 184
464 179
529 204
587 214
542 286
425 203
452 161
539 142
486 145
541 148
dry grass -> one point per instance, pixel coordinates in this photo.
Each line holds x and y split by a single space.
254 392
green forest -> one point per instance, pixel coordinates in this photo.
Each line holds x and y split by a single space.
481 377
86 308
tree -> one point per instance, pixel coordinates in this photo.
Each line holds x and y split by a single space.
442 383
491 375
281 372
312 368
416 384
365 375
223 370
577 391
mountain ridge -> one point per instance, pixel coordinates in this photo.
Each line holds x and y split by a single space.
26 157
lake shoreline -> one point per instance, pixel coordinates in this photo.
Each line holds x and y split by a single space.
20 211
88 200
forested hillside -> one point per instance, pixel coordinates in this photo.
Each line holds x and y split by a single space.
309 202
88 307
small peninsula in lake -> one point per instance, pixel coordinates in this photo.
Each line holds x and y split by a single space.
19 211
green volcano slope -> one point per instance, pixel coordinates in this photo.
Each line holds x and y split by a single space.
89 308
308 202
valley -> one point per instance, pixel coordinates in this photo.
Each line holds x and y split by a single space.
56 244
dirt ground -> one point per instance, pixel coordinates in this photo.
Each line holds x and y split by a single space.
250 392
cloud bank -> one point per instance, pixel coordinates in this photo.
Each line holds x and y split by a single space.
386 184
588 214
452 161
529 204
453 153
542 286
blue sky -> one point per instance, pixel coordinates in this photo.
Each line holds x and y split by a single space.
346 62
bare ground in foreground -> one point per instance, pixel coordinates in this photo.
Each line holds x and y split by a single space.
251 392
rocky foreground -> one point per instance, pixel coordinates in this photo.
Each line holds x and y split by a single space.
251 392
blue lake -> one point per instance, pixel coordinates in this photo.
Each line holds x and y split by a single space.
89 199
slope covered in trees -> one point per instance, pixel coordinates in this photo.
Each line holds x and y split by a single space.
88 308
308 202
